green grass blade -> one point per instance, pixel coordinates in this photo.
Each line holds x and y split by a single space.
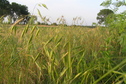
110 71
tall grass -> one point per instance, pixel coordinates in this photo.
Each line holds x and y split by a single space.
61 55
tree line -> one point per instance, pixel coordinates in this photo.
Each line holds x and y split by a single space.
14 11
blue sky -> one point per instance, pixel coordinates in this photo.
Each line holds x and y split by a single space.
86 9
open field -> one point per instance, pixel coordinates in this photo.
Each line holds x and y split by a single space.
61 55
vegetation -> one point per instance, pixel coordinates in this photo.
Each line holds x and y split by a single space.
61 55
31 54
18 11
13 11
4 7
113 4
103 14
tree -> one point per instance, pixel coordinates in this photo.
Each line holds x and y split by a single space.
4 7
13 11
24 13
118 18
102 15
18 11
24 10
114 3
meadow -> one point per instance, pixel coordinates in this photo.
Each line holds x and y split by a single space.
31 54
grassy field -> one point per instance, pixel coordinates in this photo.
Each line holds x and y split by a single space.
61 55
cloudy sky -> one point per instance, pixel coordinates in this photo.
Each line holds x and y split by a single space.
86 9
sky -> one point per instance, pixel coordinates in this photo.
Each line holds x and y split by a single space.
86 9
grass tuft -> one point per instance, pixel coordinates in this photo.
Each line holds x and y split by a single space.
60 55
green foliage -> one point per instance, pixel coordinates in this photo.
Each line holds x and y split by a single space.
116 42
14 10
61 55
54 24
101 16
106 3
113 3
117 22
64 55
94 24
18 11
4 7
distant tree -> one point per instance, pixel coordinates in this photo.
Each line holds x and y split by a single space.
13 11
18 11
102 15
24 10
24 14
4 7
54 24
